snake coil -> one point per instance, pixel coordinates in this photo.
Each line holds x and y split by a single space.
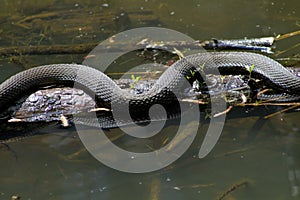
106 92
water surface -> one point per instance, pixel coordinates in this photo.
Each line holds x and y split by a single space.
55 165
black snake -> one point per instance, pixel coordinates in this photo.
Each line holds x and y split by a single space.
106 92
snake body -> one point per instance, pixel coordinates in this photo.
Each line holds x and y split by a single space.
106 92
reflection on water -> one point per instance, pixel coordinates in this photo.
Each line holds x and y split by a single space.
55 165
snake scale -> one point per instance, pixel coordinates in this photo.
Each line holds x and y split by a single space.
106 92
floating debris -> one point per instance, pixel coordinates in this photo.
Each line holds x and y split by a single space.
15 197
64 122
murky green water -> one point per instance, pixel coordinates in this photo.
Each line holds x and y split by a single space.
55 165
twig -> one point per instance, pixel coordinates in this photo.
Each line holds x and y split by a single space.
281 111
270 104
232 189
38 16
262 92
47 50
288 49
229 153
155 189
224 112
287 35
193 101
134 73
99 109
197 185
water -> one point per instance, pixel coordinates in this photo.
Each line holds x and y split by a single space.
264 153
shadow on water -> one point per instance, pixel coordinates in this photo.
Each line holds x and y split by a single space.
54 164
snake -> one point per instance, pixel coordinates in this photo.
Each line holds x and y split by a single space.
165 90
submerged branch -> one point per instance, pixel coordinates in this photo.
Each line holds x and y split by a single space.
232 189
281 111
263 44
256 44
47 50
